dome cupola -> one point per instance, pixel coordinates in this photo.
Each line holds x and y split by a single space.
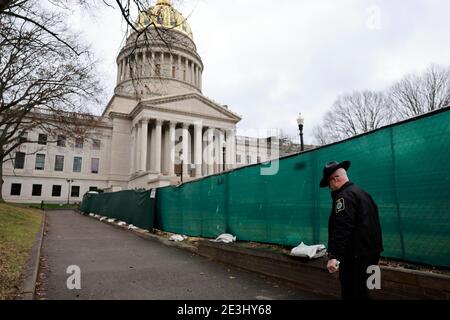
164 15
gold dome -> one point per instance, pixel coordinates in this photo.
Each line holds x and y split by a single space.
164 15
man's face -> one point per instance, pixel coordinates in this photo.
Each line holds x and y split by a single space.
333 181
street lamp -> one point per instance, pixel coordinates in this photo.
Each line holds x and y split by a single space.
301 122
68 192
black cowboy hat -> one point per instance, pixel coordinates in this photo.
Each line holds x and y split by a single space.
330 168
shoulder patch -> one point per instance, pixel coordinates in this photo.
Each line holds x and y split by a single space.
340 205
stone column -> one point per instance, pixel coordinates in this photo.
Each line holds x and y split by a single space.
137 151
153 64
210 148
198 149
133 150
220 150
231 149
186 158
179 73
186 68
172 137
119 71
216 152
144 141
157 145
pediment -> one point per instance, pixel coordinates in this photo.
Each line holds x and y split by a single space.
120 104
192 104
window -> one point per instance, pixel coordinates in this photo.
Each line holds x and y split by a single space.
42 139
247 142
173 71
59 163
56 191
40 162
184 75
19 161
61 142
259 159
23 137
15 189
77 161
37 190
96 144
94 165
75 193
93 188
249 159
158 70
79 143
238 158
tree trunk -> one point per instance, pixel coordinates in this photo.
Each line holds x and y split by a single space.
1 176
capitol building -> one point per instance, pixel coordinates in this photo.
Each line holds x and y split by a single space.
158 129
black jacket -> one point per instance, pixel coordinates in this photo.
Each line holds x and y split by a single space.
354 228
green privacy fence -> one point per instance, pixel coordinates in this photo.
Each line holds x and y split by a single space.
405 167
133 207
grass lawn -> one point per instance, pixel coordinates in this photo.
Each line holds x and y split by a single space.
18 229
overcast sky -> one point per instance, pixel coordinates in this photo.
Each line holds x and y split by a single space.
268 60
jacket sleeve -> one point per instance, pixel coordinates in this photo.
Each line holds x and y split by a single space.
342 228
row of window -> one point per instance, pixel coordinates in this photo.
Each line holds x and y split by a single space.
248 159
19 163
16 189
61 141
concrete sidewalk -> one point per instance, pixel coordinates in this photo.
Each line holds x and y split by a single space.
120 265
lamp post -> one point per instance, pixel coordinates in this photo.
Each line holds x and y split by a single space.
301 122
68 192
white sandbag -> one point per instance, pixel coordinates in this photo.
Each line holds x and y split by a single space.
177 238
111 220
103 219
121 223
131 227
311 252
225 238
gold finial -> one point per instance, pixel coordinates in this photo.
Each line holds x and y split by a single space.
167 2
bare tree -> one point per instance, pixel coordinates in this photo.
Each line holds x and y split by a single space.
353 114
130 10
44 85
417 94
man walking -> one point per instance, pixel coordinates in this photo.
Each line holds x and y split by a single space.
354 231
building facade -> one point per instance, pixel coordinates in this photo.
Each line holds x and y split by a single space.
157 130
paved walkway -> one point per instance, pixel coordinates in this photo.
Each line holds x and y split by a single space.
116 264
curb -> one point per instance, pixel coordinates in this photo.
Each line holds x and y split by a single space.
28 288
149 236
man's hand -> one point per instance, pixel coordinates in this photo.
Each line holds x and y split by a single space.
332 266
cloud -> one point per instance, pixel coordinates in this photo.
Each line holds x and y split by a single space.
269 60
